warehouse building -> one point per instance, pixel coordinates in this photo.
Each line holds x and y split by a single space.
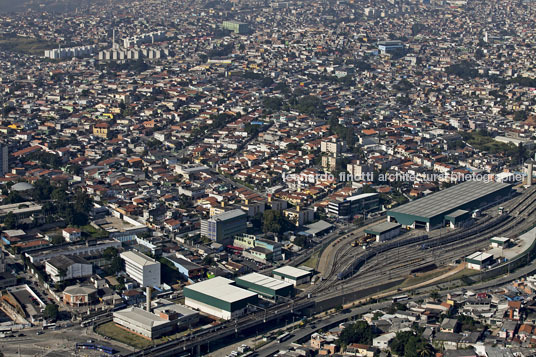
143 323
166 319
458 218
479 260
65 267
500 242
292 275
219 297
384 231
265 285
431 211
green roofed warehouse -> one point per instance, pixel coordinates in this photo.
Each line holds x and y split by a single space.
265 285
219 297
447 206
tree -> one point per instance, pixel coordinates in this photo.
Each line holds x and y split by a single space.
10 222
360 332
62 273
51 312
273 222
55 240
300 241
426 350
59 195
42 190
13 197
408 344
435 295
110 253
116 265
208 260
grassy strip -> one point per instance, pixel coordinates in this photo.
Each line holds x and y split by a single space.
31 46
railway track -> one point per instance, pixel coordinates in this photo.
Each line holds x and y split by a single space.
453 245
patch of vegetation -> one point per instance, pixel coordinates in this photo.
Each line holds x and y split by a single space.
117 333
409 344
26 45
111 330
360 332
313 260
464 69
481 140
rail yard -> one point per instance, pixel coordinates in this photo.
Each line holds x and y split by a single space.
357 268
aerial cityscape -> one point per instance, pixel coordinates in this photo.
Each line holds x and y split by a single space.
233 178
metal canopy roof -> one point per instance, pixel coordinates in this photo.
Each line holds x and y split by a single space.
449 199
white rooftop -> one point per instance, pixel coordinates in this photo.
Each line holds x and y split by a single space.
142 317
361 196
266 281
500 239
137 258
221 288
479 256
291 271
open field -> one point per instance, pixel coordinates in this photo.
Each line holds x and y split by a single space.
25 45
419 278
110 329
313 261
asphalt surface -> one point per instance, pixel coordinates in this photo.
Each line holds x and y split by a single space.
307 330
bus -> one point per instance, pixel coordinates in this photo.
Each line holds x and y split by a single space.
283 337
91 346
400 298
49 325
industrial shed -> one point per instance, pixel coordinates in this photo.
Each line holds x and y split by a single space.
265 285
457 218
479 260
219 297
432 211
384 231
292 275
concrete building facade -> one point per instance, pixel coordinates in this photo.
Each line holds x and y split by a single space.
146 271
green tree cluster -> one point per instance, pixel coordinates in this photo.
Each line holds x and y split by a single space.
360 332
409 344
274 222
51 312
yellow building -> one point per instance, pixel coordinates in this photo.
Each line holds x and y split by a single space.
101 130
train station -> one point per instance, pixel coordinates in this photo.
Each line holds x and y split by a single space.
450 206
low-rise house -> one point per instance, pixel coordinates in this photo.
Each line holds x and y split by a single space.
382 341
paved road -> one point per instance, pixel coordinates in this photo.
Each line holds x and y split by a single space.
53 340
307 330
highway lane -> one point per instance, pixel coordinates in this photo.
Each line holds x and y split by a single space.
63 340
307 330
303 332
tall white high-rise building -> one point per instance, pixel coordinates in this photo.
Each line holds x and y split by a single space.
145 270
